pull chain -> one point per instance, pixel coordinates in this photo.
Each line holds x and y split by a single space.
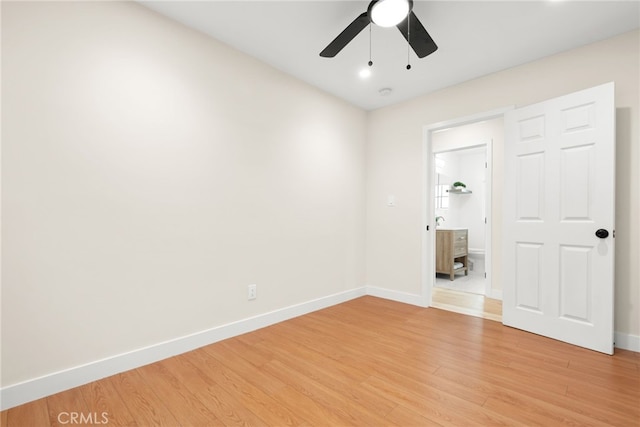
370 61
408 42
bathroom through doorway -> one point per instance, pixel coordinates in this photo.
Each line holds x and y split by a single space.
463 189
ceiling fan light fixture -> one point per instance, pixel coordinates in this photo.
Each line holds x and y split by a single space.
386 13
389 13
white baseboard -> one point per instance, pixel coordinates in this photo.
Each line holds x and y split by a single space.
403 297
627 341
47 385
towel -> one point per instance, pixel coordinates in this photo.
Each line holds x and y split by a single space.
457 265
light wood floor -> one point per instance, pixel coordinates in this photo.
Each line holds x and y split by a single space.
466 303
367 362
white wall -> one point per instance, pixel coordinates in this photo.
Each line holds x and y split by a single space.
149 175
395 160
469 208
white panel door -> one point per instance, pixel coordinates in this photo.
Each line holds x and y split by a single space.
559 191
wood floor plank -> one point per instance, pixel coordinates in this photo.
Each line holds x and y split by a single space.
229 410
540 411
604 366
248 350
366 362
530 355
437 406
402 416
495 380
620 387
610 406
529 414
429 383
239 361
532 393
336 379
313 361
179 400
141 400
358 356
34 413
69 407
310 409
599 403
250 396
103 398
348 412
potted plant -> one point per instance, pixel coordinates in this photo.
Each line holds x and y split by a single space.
459 185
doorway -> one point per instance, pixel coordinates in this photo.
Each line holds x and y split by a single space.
463 151
462 193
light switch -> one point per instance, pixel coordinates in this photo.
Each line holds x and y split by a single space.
391 201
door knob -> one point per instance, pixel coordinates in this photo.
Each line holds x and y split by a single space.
602 233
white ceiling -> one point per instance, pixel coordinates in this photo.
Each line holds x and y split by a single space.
475 38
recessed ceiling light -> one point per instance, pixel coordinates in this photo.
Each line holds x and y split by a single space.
364 73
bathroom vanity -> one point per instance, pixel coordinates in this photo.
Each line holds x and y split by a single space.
452 249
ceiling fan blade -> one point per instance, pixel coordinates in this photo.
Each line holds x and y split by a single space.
346 36
421 41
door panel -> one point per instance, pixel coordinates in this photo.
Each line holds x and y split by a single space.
559 189
575 283
576 183
528 267
531 187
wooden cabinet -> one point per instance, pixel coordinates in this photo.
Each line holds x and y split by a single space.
451 247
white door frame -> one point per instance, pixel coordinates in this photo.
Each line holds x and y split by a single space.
428 204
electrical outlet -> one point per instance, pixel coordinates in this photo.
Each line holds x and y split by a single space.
252 292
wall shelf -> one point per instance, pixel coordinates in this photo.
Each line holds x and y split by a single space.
456 191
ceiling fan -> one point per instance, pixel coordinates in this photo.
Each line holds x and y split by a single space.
387 13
